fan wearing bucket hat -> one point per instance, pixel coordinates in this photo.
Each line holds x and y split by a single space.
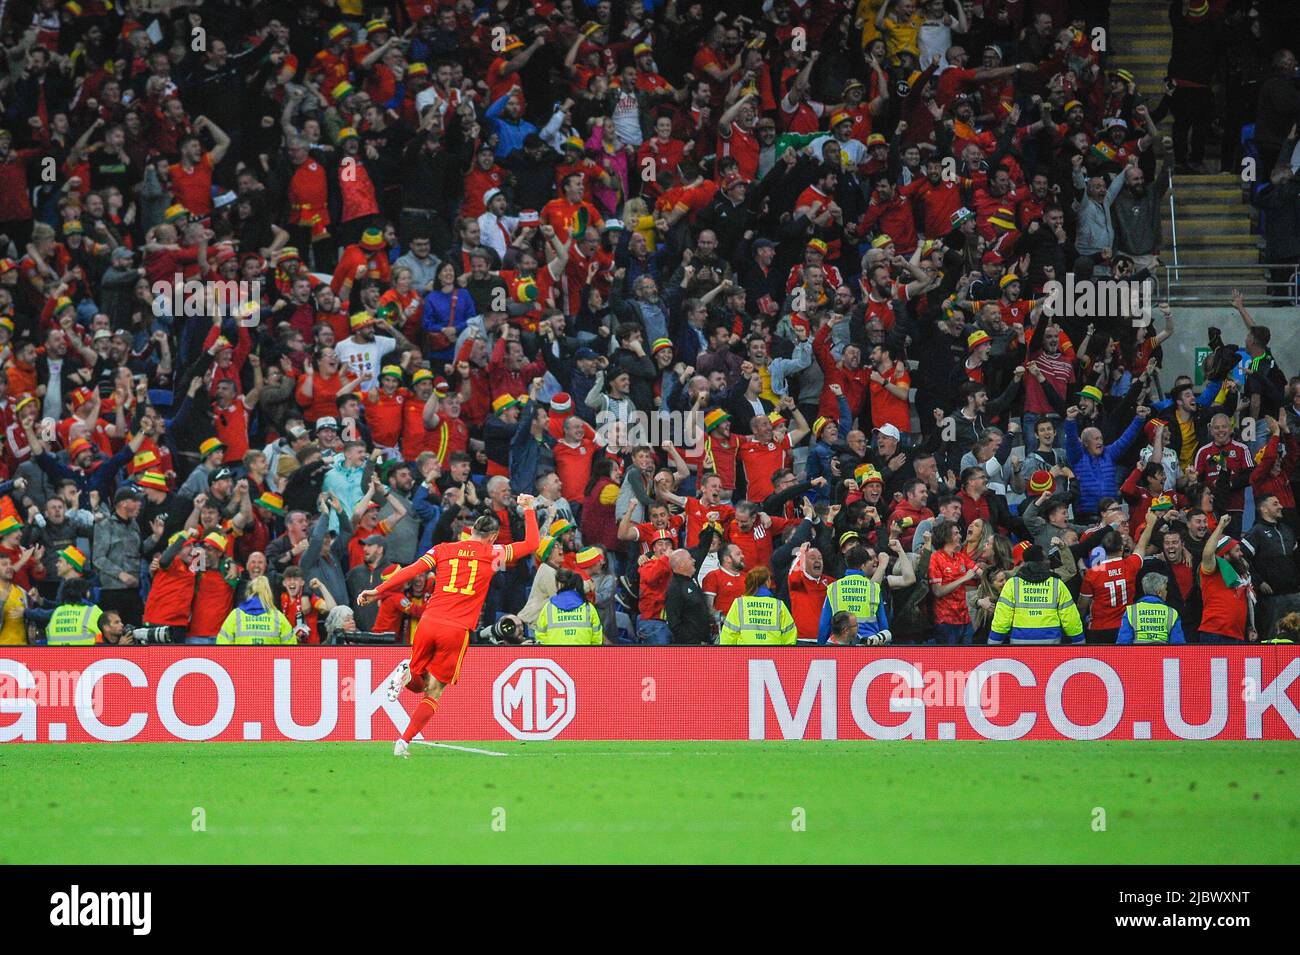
331 64
366 258
212 456
360 352
840 128
1014 309
1089 399
721 449
214 595
384 409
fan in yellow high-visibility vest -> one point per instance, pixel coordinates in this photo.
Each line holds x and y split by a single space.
256 621
567 618
758 618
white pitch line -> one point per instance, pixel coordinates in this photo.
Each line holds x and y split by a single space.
463 749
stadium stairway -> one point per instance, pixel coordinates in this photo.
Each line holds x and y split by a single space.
1211 217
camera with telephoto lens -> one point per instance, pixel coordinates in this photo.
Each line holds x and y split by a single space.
145 635
503 631
878 639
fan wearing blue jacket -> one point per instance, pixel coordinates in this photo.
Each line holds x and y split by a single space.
1094 462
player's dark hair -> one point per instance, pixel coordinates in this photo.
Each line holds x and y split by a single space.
486 525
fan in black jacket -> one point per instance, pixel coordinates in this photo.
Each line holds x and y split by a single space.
686 609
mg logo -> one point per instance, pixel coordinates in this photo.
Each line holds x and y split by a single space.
533 699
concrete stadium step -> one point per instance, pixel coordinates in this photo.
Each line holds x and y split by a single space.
1191 234
1214 257
1200 212
1202 232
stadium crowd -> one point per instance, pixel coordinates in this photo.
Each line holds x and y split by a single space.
749 303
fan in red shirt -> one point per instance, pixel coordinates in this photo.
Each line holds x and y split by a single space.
721 449
485 174
574 453
940 199
706 509
755 533
665 152
384 408
763 455
571 215
807 585
1275 462
1226 590
647 532
726 582
890 213
655 573
1014 309
171 590
952 570
463 570
890 386
302 605
737 137
191 178
1110 585
846 374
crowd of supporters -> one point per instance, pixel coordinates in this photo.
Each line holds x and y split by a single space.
748 302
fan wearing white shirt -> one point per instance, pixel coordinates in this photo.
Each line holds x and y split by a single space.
495 227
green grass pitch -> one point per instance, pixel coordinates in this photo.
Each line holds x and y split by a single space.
644 802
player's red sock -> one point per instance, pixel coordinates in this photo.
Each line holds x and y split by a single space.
422 713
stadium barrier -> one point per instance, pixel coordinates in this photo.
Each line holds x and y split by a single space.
162 694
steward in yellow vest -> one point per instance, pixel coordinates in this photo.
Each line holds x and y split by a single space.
758 618
253 622
568 620
1151 620
75 622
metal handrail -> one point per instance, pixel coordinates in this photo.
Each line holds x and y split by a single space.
1255 277
1173 226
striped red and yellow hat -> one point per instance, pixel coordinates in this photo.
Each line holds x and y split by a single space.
143 461
715 418
75 558
154 480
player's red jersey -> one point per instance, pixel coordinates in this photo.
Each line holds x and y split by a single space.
464 569
1112 587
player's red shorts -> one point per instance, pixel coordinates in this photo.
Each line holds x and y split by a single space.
438 648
